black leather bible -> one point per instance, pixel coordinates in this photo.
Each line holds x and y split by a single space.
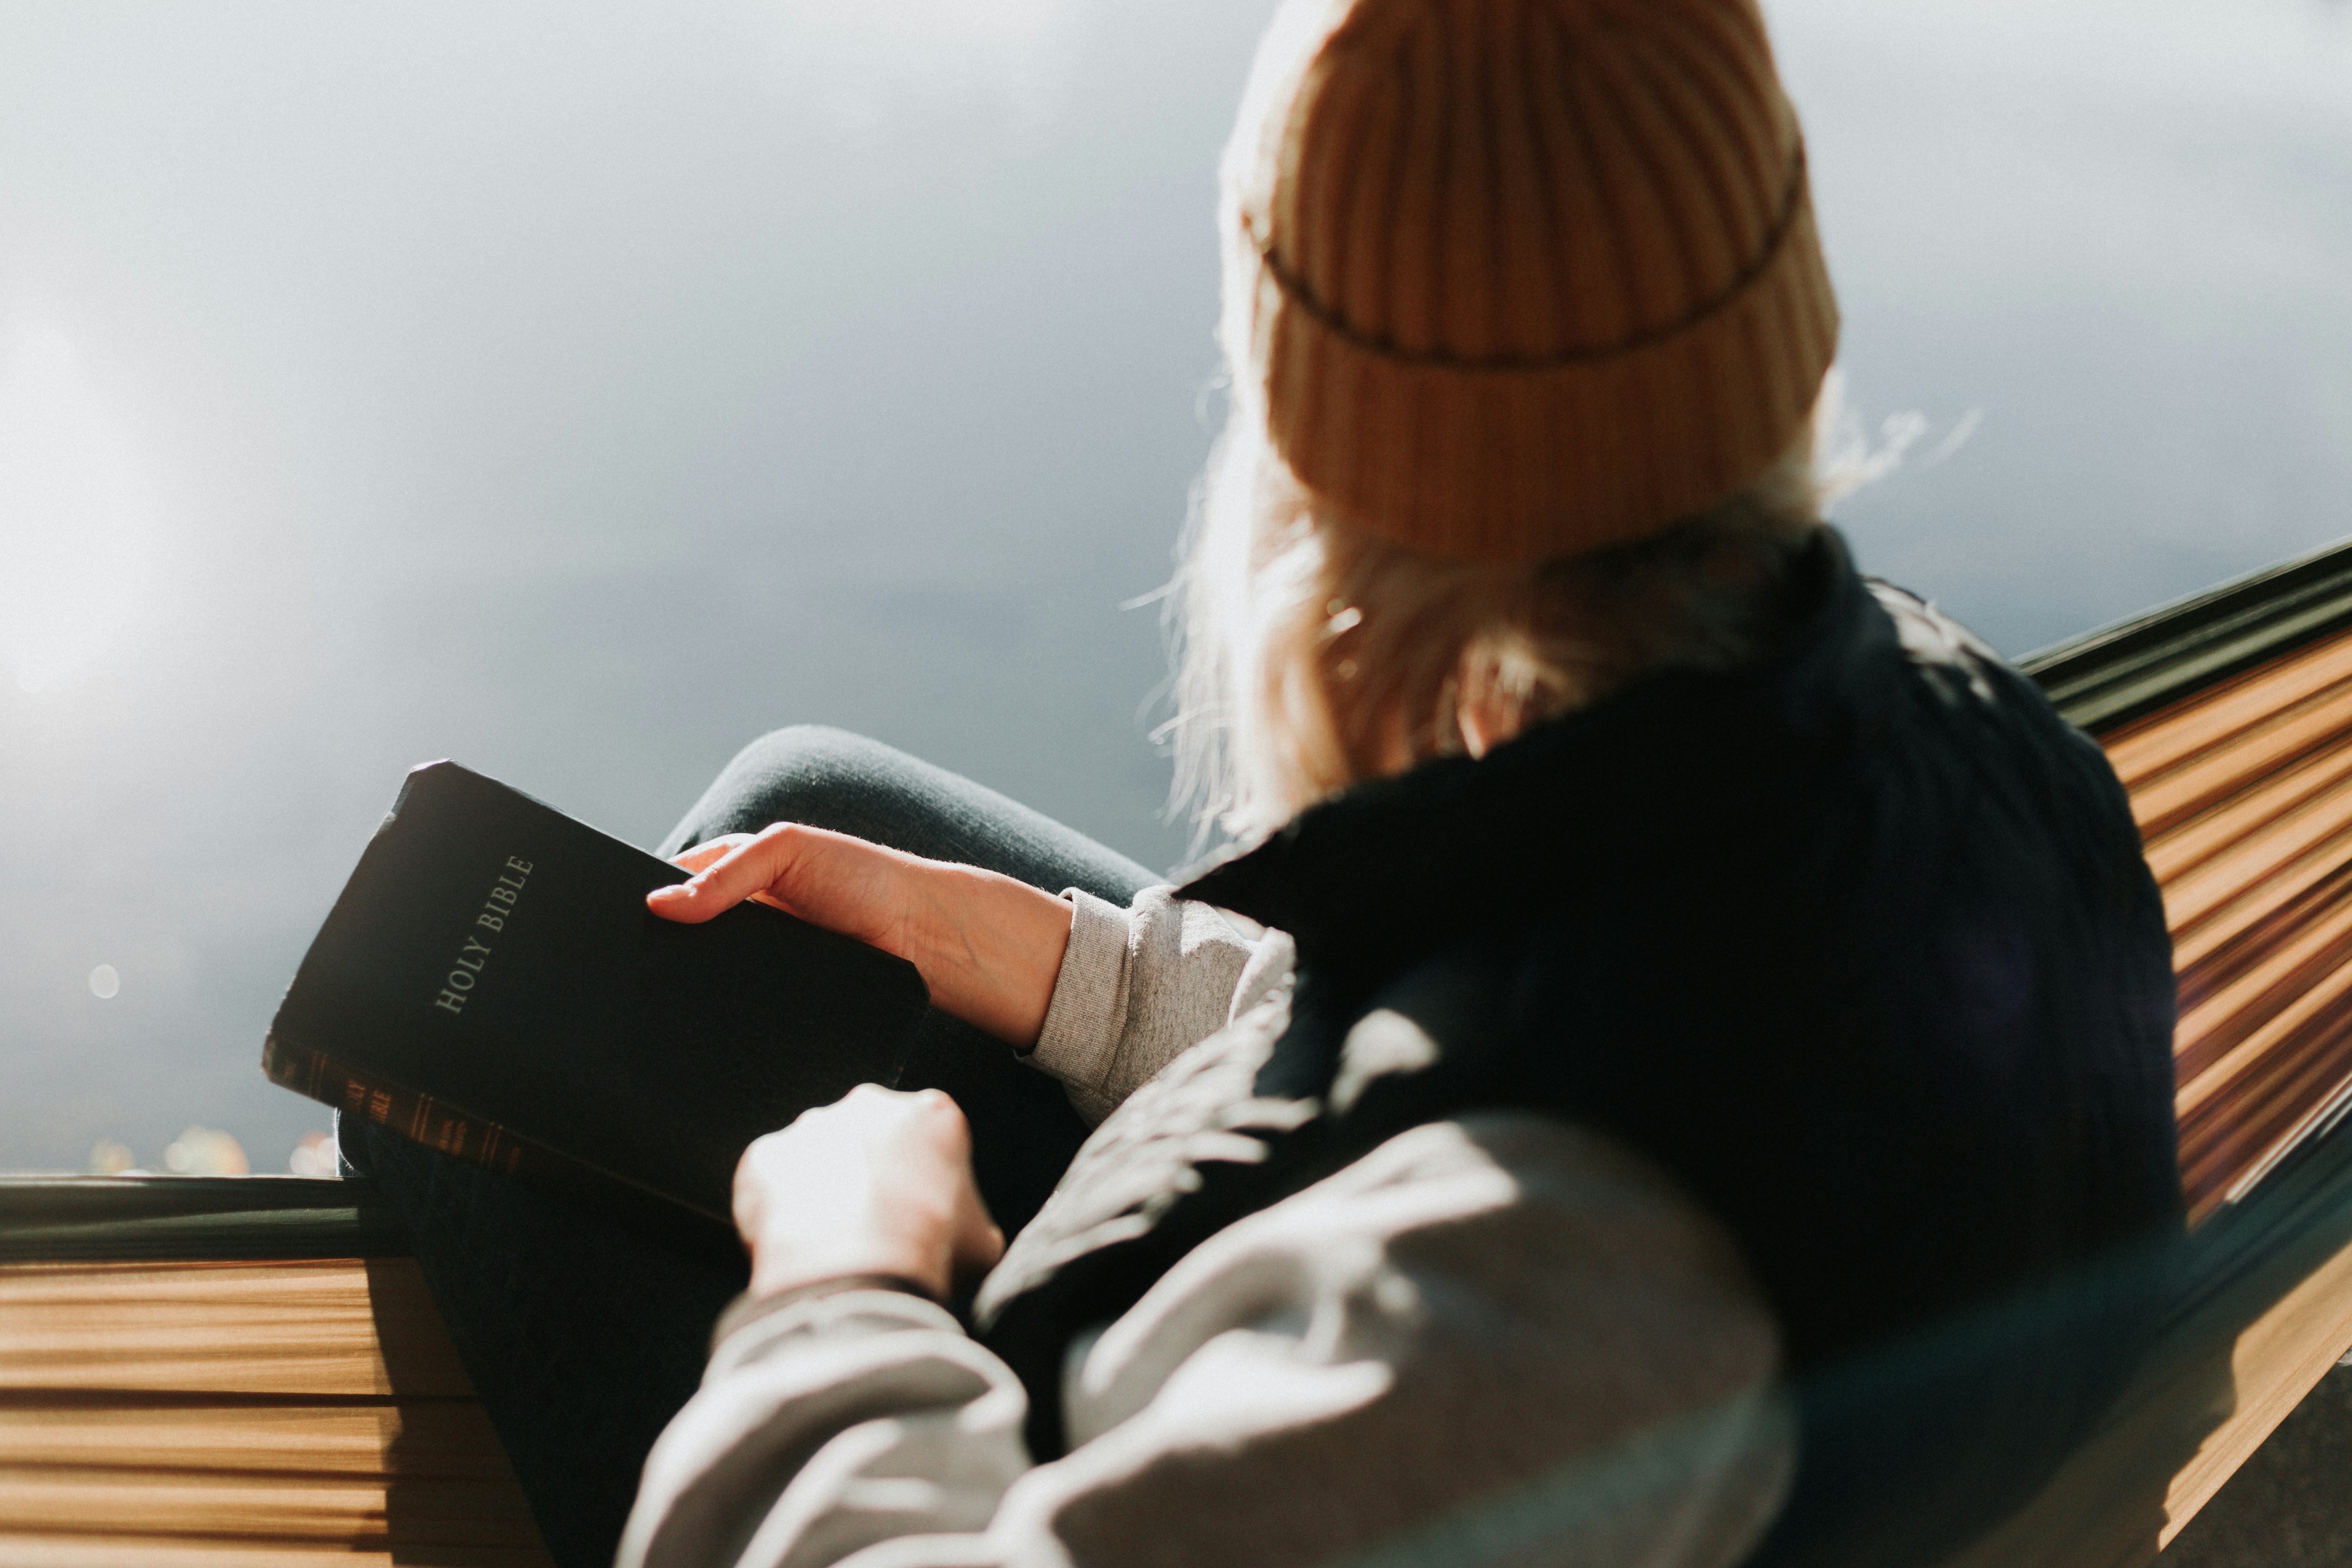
491 984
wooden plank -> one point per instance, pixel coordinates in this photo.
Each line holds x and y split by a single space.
2184 847
2206 906
105 1550
2256 752
279 1509
2260 1054
321 1327
2214 1023
439 1439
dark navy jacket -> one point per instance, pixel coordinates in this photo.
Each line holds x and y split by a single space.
1856 940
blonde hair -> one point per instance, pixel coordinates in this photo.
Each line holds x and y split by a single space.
1310 654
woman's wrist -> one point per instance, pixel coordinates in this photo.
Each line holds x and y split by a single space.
989 946
779 1267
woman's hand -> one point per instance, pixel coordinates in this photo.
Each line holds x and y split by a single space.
876 1183
830 879
988 946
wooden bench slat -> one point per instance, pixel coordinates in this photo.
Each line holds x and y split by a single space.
321 1327
2239 1079
448 1440
2254 754
2219 899
2262 800
2217 1020
273 1506
114 1551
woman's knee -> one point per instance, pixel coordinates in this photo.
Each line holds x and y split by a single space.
810 757
803 773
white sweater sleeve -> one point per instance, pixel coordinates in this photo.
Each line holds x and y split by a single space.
1141 984
1501 1338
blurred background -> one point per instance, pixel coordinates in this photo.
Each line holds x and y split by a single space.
580 391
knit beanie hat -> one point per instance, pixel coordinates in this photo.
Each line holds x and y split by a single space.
1516 278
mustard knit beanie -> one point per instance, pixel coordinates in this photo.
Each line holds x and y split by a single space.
1515 279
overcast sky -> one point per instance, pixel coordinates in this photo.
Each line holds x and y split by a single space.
580 391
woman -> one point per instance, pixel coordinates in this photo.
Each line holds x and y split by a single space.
1683 1076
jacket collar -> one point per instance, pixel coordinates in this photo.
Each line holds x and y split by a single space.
1391 866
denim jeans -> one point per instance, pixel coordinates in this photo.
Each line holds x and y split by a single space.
584 1331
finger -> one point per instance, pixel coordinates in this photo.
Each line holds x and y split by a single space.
749 867
978 1242
975 1242
708 850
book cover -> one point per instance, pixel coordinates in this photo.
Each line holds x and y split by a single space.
491 984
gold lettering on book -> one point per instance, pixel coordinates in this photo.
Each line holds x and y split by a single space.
497 908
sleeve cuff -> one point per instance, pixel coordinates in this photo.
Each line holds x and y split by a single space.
1087 1013
747 1309
862 1304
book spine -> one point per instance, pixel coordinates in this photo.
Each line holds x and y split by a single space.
417 1116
